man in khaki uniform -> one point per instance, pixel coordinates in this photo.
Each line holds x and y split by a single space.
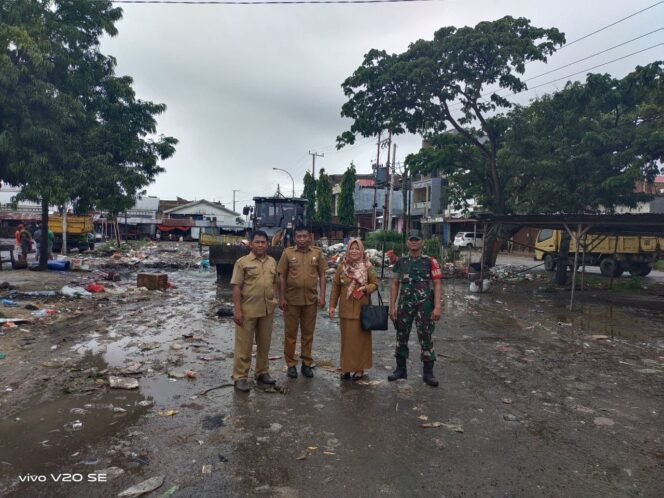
301 287
254 284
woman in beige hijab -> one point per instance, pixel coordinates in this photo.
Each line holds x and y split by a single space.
352 284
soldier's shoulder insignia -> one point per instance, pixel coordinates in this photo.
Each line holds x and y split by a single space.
436 272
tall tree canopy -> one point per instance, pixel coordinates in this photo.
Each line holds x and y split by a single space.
582 149
346 206
309 193
70 130
324 198
442 83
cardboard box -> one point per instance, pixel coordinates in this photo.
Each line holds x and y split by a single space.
152 281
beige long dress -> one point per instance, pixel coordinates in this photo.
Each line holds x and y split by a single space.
356 346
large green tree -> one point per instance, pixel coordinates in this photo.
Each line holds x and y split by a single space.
583 149
346 206
70 130
309 193
442 84
324 197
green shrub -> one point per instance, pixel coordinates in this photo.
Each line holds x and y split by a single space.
390 238
659 265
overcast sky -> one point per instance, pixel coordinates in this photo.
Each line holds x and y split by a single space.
252 87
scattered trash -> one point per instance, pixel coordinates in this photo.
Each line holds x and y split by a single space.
207 469
111 472
507 401
434 425
95 288
275 427
122 383
190 374
74 291
167 413
146 486
9 302
603 421
170 491
3 356
509 417
43 313
504 348
599 337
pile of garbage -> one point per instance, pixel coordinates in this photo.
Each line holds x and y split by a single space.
335 254
511 273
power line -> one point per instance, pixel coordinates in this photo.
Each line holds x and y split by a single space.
497 91
588 69
595 54
262 2
611 25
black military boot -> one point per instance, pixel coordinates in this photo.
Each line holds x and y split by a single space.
400 372
427 374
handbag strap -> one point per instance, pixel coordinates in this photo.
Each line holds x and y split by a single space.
380 298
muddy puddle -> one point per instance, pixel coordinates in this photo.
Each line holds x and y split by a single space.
160 335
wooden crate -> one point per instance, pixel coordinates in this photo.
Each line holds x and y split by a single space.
152 281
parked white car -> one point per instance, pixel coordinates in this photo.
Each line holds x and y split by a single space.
469 239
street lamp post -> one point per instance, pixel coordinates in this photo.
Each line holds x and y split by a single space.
291 178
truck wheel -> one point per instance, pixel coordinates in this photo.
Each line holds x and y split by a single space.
639 269
549 262
469 245
610 267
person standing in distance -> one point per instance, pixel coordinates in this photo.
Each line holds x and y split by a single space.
417 283
301 289
254 284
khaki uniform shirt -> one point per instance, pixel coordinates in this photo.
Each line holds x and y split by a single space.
256 277
302 270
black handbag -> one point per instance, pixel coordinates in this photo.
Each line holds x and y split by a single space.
374 316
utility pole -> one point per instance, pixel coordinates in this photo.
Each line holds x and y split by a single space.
388 192
314 155
375 203
234 190
389 210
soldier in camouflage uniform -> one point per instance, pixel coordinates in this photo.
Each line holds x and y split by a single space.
418 278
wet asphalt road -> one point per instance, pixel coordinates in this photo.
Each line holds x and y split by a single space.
529 405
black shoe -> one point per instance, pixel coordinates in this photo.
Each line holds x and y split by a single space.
265 378
345 376
307 371
427 374
292 372
400 372
242 385
358 376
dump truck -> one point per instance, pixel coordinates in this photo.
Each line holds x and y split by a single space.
80 232
276 216
612 254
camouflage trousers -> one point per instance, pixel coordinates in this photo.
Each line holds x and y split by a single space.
416 306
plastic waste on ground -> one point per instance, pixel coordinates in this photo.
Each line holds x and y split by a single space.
94 288
70 291
122 382
142 488
58 265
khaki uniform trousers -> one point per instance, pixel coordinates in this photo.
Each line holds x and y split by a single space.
259 329
304 318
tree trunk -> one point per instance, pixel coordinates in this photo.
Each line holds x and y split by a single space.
43 242
563 259
495 241
64 231
116 229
